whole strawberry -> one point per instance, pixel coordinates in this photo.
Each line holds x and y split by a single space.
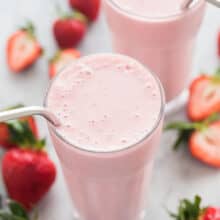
61 59
16 132
70 29
28 174
23 49
188 210
90 8
202 137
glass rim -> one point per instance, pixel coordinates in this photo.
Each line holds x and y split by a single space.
157 18
147 135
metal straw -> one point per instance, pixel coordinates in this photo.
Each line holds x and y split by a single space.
26 111
186 3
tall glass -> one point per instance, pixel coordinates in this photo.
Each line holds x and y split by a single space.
109 185
164 44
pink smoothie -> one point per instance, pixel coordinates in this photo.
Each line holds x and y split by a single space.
158 34
111 109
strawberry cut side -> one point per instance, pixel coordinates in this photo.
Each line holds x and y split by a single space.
23 49
205 145
204 98
202 137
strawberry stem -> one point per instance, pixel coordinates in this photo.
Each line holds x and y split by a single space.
188 210
29 28
185 129
217 71
14 107
77 15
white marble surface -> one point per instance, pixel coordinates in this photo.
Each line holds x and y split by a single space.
175 175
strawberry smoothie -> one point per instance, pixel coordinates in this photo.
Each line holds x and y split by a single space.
111 108
158 34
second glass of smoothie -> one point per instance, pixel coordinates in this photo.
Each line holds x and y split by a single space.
159 34
111 110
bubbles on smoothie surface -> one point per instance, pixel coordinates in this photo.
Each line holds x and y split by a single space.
105 102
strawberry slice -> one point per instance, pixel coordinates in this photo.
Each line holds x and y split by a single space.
204 98
61 59
13 133
203 139
23 49
192 210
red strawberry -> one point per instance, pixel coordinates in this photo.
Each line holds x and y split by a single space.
61 59
188 210
90 8
203 139
69 30
218 44
12 133
204 98
205 144
23 49
28 175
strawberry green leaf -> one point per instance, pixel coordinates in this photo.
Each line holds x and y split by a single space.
8 216
14 211
212 118
14 107
17 209
29 28
188 210
185 129
22 135
218 71
216 77
183 137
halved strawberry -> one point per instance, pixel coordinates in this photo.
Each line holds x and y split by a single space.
18 132
188 210
204 98
205 144
23 49
203 138
61 59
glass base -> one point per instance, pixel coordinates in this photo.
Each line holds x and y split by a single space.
177 104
